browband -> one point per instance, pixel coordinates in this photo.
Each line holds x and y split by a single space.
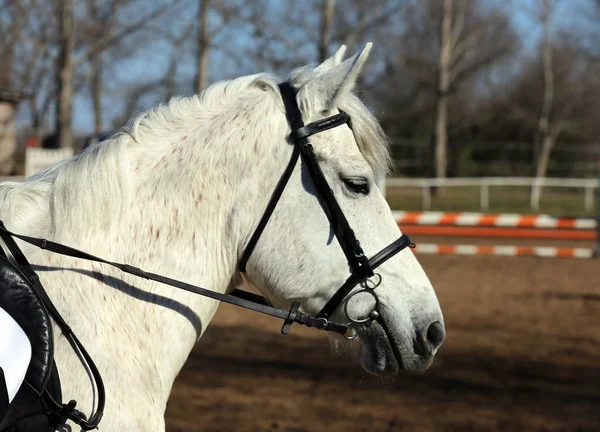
319 126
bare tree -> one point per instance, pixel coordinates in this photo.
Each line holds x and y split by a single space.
460 57
274 47
28 55
203 43
100 23
443 87
104 33
64 74
326 28
367 20
442 50
568 94
545 136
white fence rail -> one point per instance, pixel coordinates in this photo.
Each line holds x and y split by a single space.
38 159
484 184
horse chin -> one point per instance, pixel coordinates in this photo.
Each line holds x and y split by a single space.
382 354
378 356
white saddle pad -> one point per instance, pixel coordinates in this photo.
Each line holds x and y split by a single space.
15 353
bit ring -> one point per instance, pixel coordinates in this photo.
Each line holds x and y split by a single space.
369 315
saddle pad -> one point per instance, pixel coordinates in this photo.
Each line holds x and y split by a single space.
15 353
19 300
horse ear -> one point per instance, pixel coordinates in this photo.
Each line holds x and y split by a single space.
332 61
337 81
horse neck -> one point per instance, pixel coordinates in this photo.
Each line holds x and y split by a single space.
185 211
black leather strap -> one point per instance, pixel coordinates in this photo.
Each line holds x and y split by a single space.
239 300
255 298
68 333
3 395
350 245
389 251
269 210
295 136
319 126
32 277
355 278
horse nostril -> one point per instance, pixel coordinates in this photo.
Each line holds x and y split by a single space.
429 339
435 335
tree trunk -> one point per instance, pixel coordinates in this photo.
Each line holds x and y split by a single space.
326 26
64 104
444 63
8 137
545 136
541 169
441 137
202 46
101 24
96 90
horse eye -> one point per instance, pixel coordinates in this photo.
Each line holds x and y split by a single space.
359 185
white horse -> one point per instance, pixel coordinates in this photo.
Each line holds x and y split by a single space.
180 192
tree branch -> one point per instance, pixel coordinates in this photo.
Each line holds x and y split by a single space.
122 33
458 25
372 20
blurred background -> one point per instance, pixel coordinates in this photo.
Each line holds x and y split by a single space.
490 106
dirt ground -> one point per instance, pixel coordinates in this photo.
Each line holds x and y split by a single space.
522 354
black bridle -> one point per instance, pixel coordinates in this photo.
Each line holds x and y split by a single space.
362 267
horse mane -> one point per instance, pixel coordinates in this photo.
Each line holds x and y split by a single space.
370 137
69 190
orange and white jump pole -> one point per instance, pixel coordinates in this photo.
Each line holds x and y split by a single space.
546 252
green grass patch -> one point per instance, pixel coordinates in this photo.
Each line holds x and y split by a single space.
502 199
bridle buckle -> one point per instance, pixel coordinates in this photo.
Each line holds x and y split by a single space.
320 323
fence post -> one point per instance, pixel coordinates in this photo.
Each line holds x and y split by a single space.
426 197
484 196
589 199
535 193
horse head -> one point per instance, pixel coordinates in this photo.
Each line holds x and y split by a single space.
299 258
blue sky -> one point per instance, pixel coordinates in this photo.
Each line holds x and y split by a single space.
150 63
